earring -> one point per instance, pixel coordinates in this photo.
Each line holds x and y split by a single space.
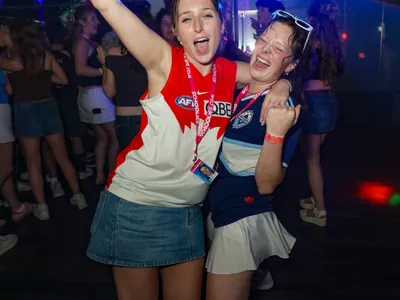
286 73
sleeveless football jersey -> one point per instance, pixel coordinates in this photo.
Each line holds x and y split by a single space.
155 168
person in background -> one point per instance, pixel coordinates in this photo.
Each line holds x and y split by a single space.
67 96
36 112
19 210
323 66
95 107
164 26
265 9
326 7
125 80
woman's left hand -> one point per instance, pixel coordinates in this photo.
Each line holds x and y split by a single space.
278 95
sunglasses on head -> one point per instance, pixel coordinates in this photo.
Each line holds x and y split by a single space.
302 24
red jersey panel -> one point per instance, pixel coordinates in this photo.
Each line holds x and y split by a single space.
155 168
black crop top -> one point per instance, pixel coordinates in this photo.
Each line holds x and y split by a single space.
130 79
31 88
93 62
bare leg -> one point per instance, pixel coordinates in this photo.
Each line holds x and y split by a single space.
6 162
31 148
136 283
229 287
6 176
311 146
57 146
49 160
183 281
79 153
113 146
100 152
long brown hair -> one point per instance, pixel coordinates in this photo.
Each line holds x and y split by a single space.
28 44
325 56
81 13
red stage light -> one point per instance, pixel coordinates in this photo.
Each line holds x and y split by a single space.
361 55
375 192
344 36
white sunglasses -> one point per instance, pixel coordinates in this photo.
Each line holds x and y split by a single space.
302 24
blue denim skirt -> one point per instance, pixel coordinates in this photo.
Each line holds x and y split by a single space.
37 118
127 234
321 113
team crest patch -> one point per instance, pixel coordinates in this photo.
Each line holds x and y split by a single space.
185 102
243 119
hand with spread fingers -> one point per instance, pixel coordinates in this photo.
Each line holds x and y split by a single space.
280 118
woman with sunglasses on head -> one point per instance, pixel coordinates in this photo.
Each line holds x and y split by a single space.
323 66
242 227
149 218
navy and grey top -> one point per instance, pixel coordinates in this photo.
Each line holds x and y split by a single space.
234 195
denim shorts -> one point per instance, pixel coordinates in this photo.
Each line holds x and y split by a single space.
126 127
37 119
321 113
127 234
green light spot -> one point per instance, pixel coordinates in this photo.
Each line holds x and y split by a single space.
395 200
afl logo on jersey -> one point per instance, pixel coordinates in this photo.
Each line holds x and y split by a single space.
221 109
185 102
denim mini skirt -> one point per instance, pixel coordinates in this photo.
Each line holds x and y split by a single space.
127 234
322 112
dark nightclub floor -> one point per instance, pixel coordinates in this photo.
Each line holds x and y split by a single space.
356 256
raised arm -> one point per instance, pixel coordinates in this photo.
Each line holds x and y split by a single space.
243 76
150 50
269 171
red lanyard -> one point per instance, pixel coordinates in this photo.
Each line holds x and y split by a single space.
242 95
206 125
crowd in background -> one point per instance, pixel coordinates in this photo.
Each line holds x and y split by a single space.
61 84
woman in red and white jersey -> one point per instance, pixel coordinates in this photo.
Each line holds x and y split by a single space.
149 217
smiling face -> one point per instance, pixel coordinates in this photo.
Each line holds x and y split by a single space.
90 24
198 28
272 55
